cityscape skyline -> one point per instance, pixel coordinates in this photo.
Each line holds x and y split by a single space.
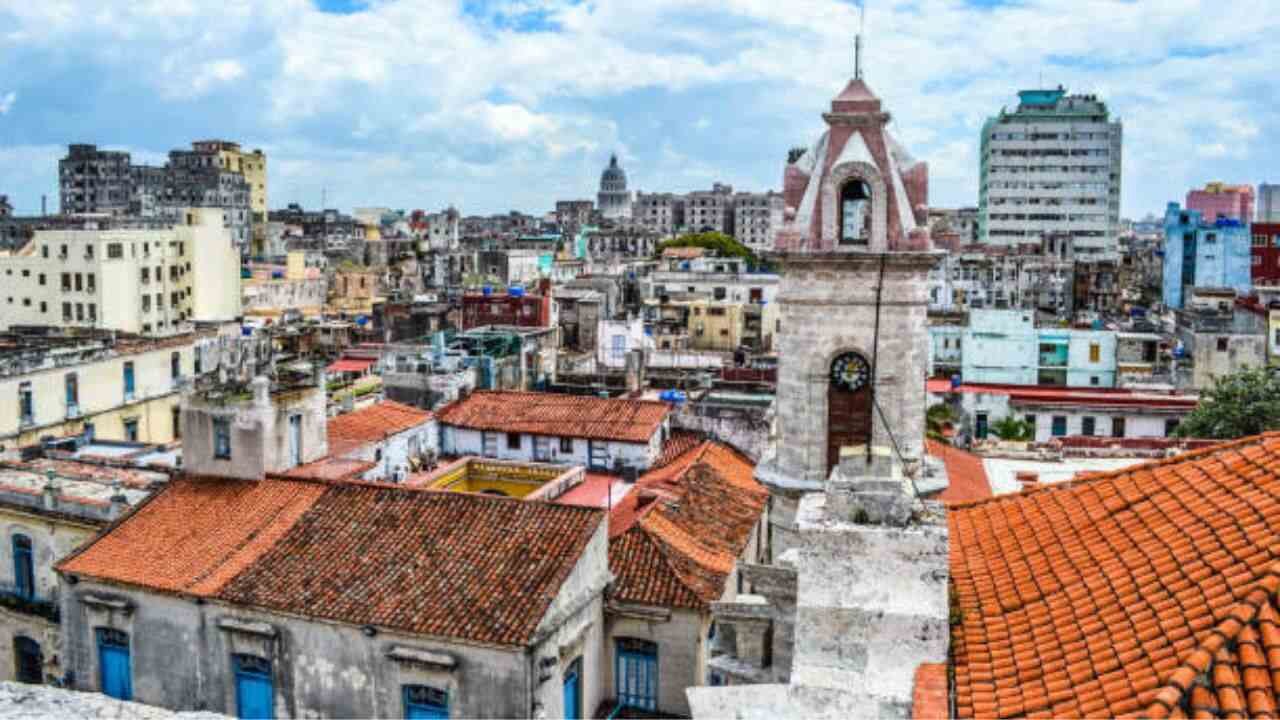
549 90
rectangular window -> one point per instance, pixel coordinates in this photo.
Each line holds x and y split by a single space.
566 445
26 404
66 312
176 416
1117 427
73 394
222 438
1171 426
89 283
1222 344
66 282
1095 352
131 430
1059 425
175 365
24 578
128 381
1031 421
79 282
513 441
1087 426
42 279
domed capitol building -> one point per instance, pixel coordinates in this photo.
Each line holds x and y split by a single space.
614 200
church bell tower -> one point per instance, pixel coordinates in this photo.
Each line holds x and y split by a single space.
854 254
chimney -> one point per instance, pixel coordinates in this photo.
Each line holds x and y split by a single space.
119 503
49 494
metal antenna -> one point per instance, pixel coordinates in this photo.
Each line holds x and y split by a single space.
857 40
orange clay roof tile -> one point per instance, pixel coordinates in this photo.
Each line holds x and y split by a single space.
696 516
350 552
1152 591
536 413
349 431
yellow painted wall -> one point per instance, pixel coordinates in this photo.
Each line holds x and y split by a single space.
721 332
477 477
102 400
296 265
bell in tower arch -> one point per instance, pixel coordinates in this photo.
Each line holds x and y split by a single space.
855 212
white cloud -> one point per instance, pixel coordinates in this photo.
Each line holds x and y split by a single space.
473 97
6 102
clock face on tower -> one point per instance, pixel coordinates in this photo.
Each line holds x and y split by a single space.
850 371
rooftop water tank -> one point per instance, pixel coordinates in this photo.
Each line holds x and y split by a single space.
515 291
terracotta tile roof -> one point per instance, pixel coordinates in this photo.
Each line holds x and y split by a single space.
966 476
535 413
330 468
929 693
452 565
678 534
1145 590
371 424
677 444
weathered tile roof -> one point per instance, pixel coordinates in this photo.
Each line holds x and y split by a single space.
371 424
1150 590
536 413
966 476
451 565
677 535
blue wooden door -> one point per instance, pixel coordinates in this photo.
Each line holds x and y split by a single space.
636 673
425 703
115 677
255 696
573 690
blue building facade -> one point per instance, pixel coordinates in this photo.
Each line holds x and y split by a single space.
1005 347
1200 254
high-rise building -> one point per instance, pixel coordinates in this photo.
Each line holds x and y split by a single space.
1268 203
1051 166
757 218
1218 200
613 200
214 173
709 210
661 213
95 181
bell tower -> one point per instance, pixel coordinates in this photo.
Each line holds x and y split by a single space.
855 255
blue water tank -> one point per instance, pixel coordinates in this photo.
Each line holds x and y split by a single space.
277 274
362 320
672 396
487 290
955 381
246 331
515 291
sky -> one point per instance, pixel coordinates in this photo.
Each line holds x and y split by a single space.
491 106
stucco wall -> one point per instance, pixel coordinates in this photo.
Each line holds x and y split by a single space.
682 653
464 441
181 659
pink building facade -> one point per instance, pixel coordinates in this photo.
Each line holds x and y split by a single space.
1218 200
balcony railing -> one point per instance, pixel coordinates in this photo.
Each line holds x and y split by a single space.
32 604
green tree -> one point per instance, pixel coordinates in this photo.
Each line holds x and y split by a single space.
939 418
718 242
1243 403
1011 428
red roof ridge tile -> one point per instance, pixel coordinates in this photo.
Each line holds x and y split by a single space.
1200 661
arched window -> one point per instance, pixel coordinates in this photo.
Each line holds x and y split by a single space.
24 580
855 212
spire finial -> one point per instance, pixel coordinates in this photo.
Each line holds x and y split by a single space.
857 40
